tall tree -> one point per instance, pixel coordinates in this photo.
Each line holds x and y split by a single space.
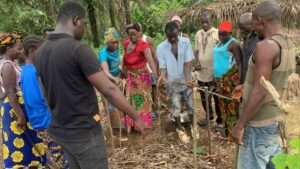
127 11
122 17
93 22
112 13
48 7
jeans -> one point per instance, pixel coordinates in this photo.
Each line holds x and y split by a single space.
187 96
260 145
216 99
86 155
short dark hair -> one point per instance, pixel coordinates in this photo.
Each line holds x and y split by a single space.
70 9
48 29
206 14
171 27
32 41
135 26
268 10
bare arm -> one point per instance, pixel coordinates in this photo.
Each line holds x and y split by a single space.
112 93
265 55
105 68
9 84
236 50
163 76
187 69
147 54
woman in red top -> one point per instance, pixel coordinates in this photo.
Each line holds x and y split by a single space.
138 88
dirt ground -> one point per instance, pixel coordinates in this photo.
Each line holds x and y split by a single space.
153 151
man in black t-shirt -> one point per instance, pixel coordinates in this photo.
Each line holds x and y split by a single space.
68 72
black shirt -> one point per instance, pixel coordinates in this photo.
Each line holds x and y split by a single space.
63 65
248 49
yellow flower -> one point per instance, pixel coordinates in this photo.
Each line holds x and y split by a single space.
6 100
13 113
18 166
20 94
5 137
5 152
29 126
17 156
18 142
1 123
35 164
15 129
21 100
40 148
2 111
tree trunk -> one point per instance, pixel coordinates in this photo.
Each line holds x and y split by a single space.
49 11
127 11
112 13
122 18
93 22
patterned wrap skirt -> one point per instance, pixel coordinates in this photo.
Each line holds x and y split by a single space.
21 147
229 108
138 93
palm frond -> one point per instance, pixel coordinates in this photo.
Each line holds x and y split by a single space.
231 10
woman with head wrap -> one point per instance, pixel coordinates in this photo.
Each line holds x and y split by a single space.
138 89
110 63
21 146
227 72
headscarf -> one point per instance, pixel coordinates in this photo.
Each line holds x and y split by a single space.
177 18
7 39
111 35
225 26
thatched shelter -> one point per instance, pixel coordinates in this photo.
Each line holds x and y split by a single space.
232 9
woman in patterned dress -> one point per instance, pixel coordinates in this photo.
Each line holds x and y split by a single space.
138 87
227 71
21 146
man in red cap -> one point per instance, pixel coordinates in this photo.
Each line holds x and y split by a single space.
227 71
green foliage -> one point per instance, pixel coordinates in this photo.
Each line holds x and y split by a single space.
291 160
200 150
22 19
154 15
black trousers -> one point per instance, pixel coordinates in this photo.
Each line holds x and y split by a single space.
216 99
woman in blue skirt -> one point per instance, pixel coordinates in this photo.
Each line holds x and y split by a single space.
21 146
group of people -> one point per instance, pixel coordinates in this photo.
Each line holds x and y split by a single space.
50 114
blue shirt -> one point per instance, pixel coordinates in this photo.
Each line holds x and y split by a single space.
167 60
35 104
112 60
223 59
